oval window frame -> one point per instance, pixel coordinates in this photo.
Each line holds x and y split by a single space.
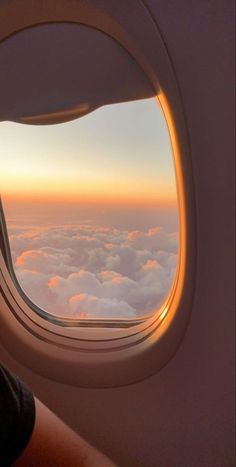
92 358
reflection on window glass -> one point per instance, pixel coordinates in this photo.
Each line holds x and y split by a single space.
91 211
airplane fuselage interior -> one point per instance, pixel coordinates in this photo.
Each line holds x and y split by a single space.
117 224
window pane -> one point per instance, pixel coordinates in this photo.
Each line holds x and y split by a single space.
91 211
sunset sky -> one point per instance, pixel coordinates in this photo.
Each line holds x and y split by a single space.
91 211
119 153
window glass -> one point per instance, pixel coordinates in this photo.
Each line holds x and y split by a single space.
91 211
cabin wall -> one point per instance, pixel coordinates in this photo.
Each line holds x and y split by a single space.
183 415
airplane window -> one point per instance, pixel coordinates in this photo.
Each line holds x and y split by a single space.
91 211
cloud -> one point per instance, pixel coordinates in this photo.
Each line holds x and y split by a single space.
86 305
46 261
86 270
150 264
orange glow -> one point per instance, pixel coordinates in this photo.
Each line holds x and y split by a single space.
130 164
20 260
125 166
117 280
150 264
53 281
159 199
181 199
77 298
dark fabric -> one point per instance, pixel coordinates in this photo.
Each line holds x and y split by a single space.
17 416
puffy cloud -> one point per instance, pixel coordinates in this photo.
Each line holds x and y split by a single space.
153 239
45 260
92 271
86 305
34 284
150 264
79 282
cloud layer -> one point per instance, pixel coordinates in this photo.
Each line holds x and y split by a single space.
88 271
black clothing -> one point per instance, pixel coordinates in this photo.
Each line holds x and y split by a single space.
17 417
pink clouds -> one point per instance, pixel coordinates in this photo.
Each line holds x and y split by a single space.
82 304
92 271
150 264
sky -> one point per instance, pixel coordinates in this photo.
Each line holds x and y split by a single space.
91 211
119 153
